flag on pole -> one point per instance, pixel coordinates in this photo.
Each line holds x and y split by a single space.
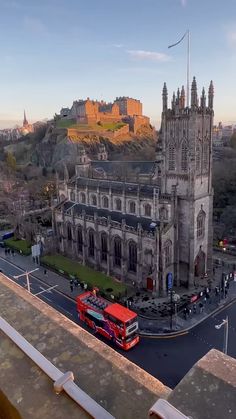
173 45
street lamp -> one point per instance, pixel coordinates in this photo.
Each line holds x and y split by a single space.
27 277
224 323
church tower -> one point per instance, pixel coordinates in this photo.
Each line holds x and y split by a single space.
25 122
186 155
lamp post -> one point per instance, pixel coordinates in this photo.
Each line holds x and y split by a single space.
224 323
27 277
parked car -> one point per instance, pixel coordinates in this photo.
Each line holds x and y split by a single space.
2 243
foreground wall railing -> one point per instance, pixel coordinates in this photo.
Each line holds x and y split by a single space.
62 381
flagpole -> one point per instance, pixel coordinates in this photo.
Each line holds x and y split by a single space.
188 66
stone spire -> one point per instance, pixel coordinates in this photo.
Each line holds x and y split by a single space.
194 98
210 95
178 97
182 98
173 101
25 122
164 98
203 99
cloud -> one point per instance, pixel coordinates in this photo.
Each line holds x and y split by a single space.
149 55
118 45
34 25
231 36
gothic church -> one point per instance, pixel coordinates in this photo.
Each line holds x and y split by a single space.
158 227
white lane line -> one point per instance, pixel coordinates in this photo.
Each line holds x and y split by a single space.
47 299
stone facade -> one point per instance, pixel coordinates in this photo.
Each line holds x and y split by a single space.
146 232
123 109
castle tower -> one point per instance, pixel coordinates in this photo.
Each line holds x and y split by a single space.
186 143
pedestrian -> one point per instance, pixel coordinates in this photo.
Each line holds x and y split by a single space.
45 271
200 307
194 308
5 251
71 287
185 313
76 282
71 282
13 252
85 286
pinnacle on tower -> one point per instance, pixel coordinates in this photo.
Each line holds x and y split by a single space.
210 95
194 98
165 97
173 101
203 99
178 97
182 98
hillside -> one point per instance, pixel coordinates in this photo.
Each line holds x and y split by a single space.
53 146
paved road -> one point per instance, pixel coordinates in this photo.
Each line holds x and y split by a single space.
167 359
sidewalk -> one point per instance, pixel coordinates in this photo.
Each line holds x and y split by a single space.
151 327
148 326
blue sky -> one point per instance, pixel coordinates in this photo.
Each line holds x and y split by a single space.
55 51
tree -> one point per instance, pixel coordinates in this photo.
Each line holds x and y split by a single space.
11 161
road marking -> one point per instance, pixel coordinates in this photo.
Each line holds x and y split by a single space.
164 337
46 290
48 299
38 279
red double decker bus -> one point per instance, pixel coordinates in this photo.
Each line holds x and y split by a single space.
112 320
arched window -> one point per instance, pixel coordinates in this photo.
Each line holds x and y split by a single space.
168 253
104 246
132 256
105 202
82 198
91 243
198 157
93 200
171 157
72 196
163 214
201 224
184 156
69 233
132 207
117 251
80 239
118 204
147 210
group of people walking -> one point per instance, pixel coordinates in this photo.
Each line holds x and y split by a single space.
9 251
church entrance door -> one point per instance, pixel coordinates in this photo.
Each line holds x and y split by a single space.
200 264
149 284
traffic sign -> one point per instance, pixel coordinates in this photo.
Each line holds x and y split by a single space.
169 280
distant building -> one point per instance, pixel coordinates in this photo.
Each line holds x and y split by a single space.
217 135
123 109
26 127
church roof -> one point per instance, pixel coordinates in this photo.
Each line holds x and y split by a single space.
141 167
144 190
130 220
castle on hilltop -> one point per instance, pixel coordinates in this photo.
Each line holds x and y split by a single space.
156 230
123 109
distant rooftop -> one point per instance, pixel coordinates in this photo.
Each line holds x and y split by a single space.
122 388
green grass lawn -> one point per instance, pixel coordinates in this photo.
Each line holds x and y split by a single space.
65 123
85 274
18 245
111 126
